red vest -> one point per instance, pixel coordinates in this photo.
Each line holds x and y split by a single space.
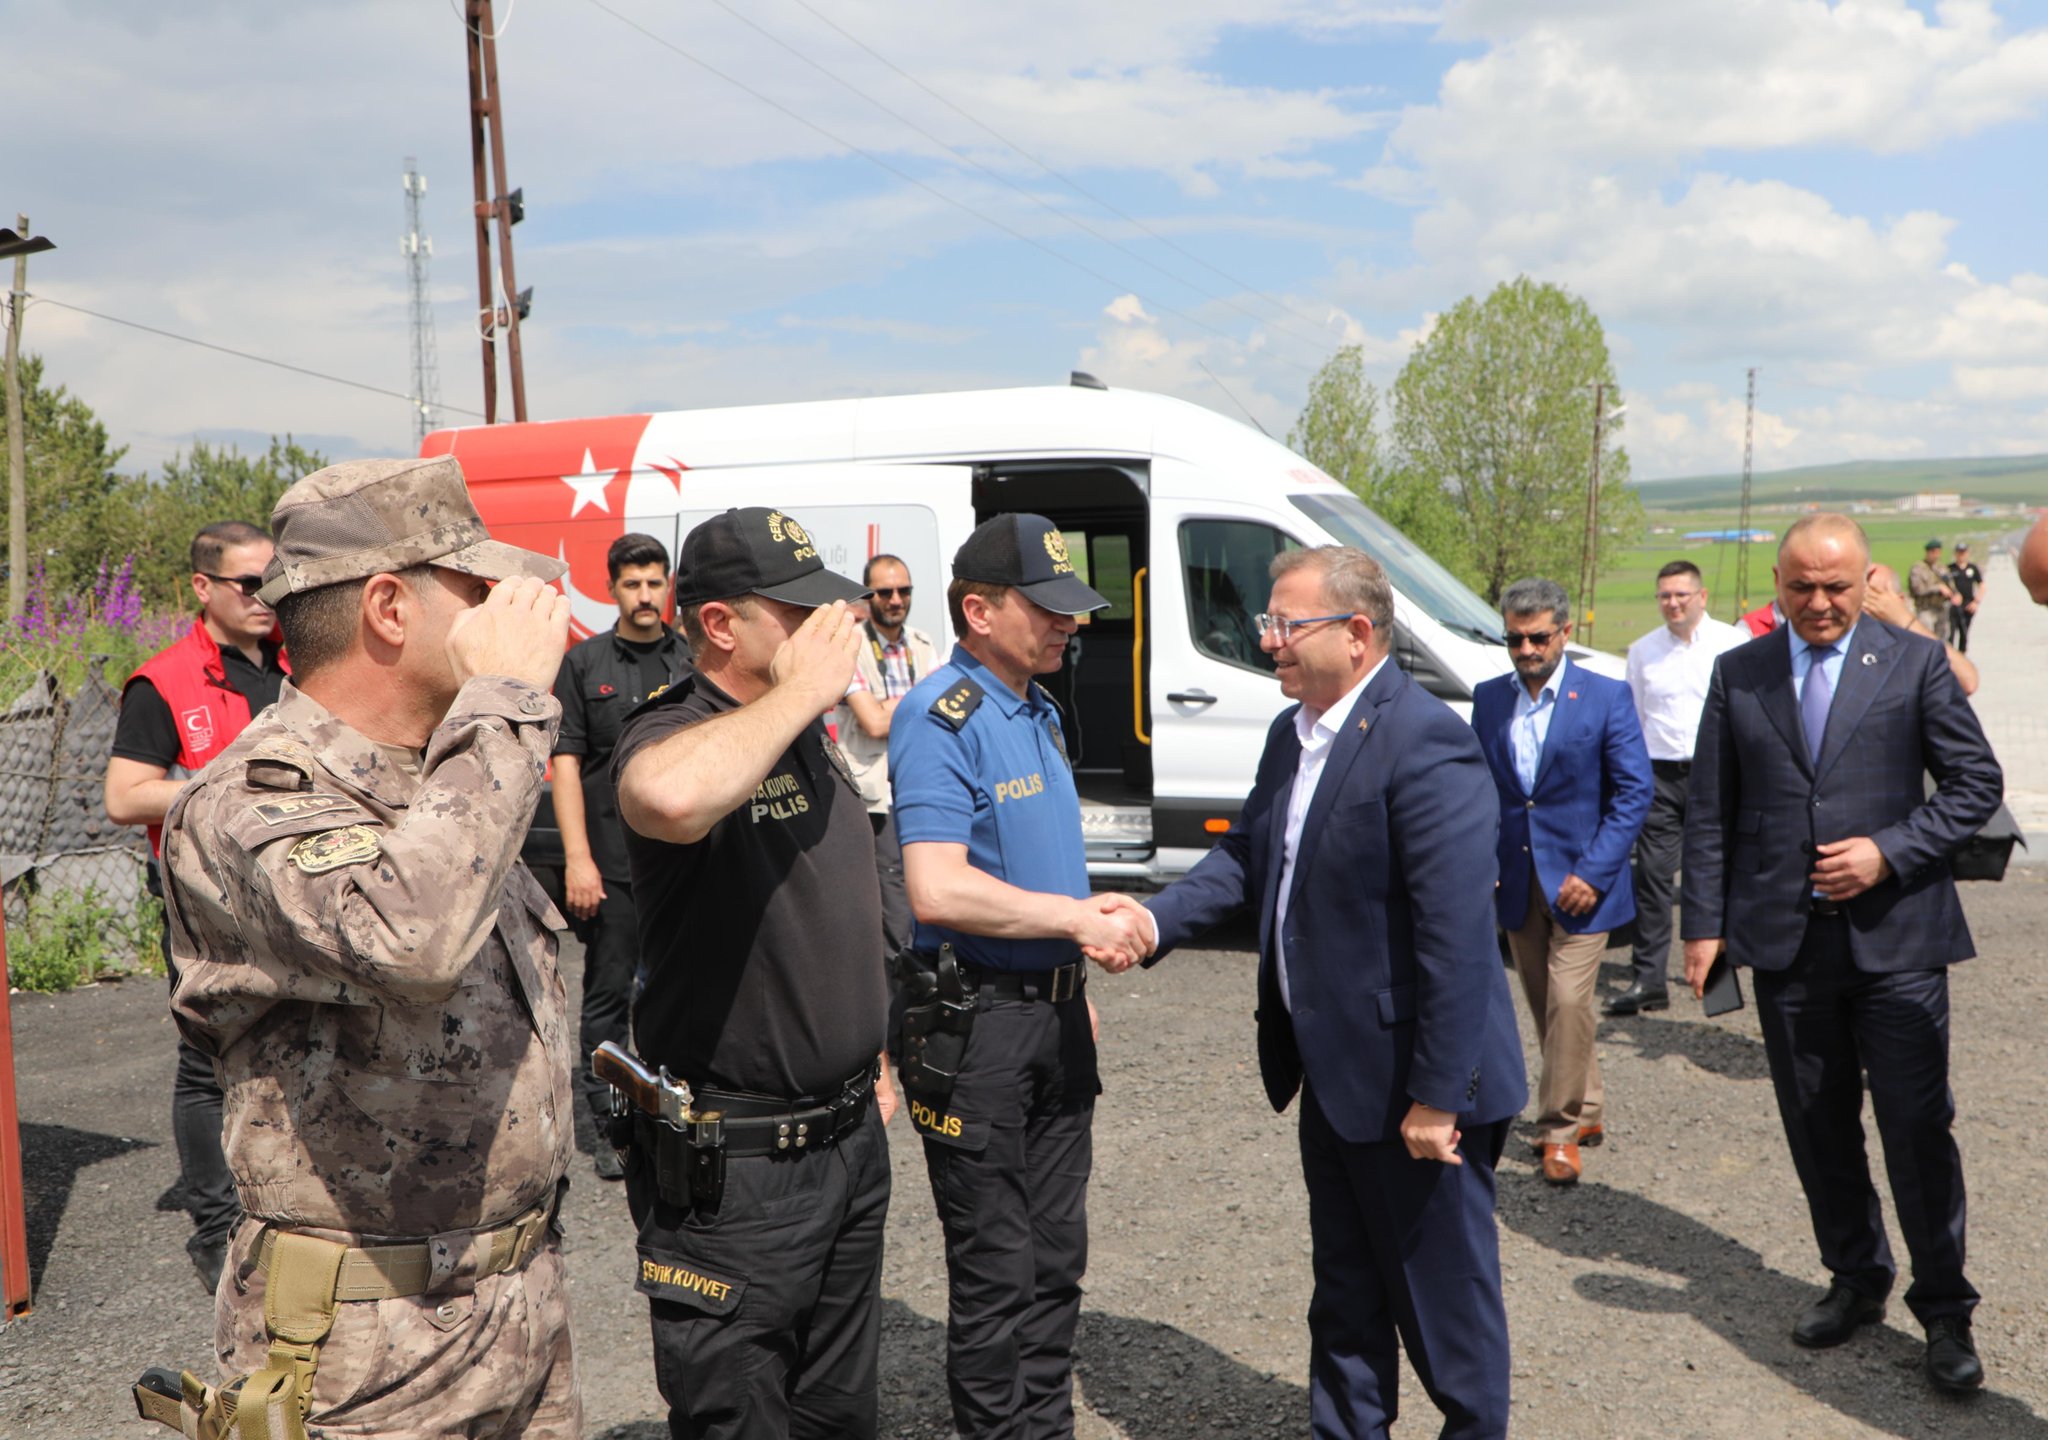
208 712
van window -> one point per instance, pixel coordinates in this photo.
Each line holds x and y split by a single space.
1109 572
1414 573
1225 564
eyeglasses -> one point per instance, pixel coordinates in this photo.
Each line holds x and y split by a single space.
247 584
1287 629
1538 638
1676 597
892 591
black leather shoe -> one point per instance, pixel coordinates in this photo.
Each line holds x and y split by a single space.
1635 999
1952 1364
610 1164
209 1257
1836 1317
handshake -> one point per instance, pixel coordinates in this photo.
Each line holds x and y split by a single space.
1112 929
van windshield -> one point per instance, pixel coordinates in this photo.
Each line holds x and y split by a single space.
1433 590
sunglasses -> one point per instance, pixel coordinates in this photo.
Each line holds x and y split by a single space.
1537 638
247 584
891 592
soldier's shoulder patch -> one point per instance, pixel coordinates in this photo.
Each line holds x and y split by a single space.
958 702
280 763
332 849
283 812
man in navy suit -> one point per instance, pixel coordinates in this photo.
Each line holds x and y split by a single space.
1366 847
1574 781
1814 855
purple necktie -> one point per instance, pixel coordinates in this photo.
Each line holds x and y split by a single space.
1813 704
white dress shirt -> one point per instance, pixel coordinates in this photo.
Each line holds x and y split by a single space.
1531 725
1317 731
1669 678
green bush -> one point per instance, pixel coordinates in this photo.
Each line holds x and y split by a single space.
62 942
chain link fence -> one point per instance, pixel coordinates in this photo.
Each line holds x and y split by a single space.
63 863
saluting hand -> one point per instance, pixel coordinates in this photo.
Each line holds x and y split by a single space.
521 631
817 661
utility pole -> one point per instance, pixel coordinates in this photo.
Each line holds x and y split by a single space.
493 203
1589 552
17 442
426 372
1742 539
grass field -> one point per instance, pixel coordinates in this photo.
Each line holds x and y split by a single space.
1626 604
2019 479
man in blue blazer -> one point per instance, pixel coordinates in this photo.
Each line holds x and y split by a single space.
1814 855
1366 850
1574 783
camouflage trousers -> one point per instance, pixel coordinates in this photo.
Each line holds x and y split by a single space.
493 1363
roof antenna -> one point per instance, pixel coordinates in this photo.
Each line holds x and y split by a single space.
1234 400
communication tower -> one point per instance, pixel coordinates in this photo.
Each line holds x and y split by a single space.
426 365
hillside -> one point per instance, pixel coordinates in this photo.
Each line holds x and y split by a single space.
2006 479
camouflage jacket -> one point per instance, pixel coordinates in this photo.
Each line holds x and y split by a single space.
374 971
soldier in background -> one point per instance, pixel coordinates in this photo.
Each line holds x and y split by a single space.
601 682
1927 583
373 972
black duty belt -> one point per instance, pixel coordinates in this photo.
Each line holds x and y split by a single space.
1061 983
764 1125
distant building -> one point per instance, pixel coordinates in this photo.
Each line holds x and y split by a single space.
1932 500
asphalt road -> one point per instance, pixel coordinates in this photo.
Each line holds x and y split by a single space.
1654 1299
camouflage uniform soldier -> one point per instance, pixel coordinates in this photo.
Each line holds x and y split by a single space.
374 974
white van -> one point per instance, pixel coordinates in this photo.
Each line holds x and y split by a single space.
1173 512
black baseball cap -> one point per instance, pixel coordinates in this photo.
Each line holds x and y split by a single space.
1027 553
1931 545
757 551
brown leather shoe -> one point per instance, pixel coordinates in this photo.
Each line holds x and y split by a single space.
1588 1136
1561 1164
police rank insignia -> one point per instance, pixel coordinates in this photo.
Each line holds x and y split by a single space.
332 849
839 761
957 705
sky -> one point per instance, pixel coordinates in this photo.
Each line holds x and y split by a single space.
749 201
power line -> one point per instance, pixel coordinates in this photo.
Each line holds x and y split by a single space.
998 176
243 354
1065 180
928 188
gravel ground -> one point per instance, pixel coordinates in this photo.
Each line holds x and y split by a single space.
1654 1299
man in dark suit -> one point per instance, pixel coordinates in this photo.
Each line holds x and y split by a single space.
1574 784
1366 847
1814 855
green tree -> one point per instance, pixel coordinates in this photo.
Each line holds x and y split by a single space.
1338 431
71 479
164 511
1495 410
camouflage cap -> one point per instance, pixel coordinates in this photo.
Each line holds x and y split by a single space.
367 517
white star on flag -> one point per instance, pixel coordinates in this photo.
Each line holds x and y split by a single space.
589 486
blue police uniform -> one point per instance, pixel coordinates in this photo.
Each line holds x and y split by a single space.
973 763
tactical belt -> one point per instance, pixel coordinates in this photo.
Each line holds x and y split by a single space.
764 1125
306 1279
1063 983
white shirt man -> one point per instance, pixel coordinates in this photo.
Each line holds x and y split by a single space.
1669 671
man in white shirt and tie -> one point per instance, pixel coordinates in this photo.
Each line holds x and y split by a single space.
1669 671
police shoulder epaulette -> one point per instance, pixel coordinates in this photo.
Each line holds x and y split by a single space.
280 763
958 702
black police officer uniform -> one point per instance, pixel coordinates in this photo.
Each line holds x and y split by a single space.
602 679
765 990
1009 1147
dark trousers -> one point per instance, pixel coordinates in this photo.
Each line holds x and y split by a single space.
766 1314
205 1189
895 898
1657 853
1828 1025
1959 627
1404 1250
1009 1159
611 956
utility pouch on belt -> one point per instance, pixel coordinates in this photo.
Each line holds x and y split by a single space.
936 1023
306 1280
